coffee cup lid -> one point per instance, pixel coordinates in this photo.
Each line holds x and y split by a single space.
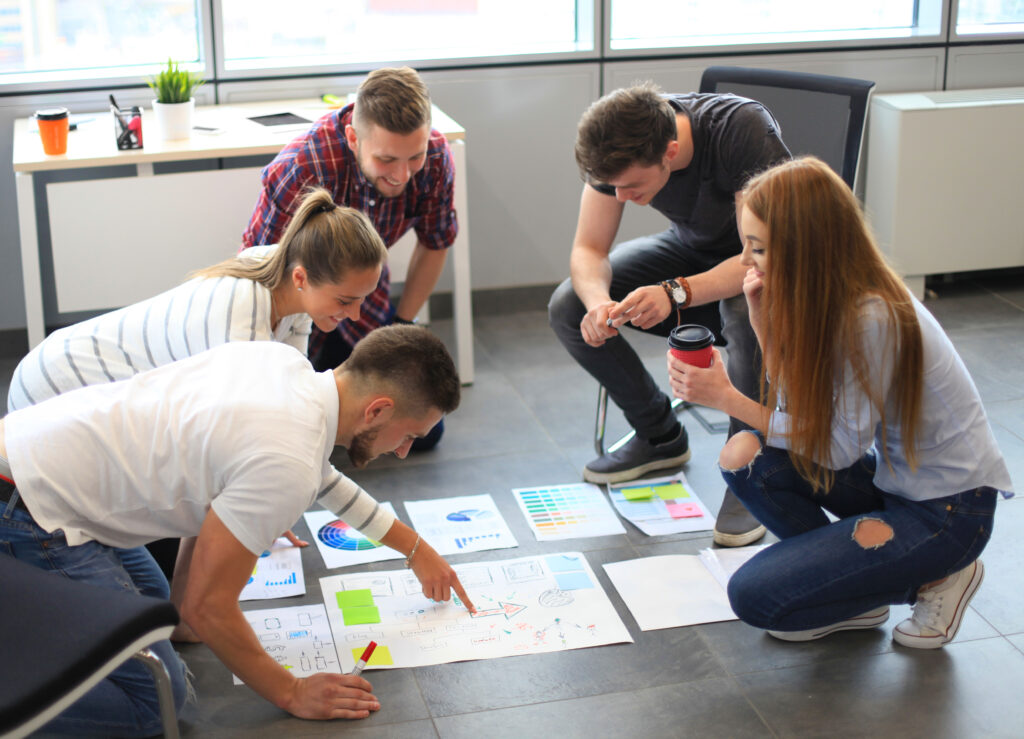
51 114
690 336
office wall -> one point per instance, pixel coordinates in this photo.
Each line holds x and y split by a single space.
520 123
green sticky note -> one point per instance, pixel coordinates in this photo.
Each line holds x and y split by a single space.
360 615
672 491
644 493
352 598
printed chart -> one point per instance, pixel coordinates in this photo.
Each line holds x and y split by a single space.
567 511
661 505
468 523
524 606
299 638
278 573
341 545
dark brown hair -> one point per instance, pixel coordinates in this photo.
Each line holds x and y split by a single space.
408 363
629 126
393 98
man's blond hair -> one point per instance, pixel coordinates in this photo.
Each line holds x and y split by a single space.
394 98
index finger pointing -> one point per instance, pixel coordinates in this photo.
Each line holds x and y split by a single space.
460 591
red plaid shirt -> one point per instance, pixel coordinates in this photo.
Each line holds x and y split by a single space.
321 157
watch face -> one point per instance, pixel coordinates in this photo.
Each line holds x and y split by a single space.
679 295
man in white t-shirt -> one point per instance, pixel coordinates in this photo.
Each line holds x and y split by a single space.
230 446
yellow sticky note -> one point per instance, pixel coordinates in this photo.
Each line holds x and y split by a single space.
381 656
672 491
643 493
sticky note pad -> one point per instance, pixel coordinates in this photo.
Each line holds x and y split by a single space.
361 615
684 510
643 493
672 491
381 656
353 598
564 563
573 580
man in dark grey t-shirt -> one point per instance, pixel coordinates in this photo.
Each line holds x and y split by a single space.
688 156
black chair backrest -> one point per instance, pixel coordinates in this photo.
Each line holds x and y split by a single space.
58 632
819 114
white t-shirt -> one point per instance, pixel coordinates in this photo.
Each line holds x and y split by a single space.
246 428
178 323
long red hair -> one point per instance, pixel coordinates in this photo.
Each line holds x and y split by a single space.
822 262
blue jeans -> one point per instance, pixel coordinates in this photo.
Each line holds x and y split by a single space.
125 703
818 573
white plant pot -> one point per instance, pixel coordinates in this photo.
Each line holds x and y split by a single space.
174 120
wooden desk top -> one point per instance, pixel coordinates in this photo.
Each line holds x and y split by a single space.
93 143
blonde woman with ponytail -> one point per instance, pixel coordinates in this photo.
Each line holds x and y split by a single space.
867 413
328 261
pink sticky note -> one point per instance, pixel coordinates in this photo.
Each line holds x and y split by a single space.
684 510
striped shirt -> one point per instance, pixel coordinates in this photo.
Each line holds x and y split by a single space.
321 157
182 322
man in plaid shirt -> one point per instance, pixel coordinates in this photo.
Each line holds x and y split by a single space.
379 155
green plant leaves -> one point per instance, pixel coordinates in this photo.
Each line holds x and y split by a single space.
174 85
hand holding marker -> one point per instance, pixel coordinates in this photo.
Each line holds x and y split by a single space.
367 653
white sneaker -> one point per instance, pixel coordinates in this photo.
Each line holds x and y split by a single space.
940 610
868 620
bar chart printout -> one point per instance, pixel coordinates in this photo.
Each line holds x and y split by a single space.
568 511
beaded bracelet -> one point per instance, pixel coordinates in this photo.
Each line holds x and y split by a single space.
408 560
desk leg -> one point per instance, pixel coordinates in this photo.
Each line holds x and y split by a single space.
462 288
30 275
144 169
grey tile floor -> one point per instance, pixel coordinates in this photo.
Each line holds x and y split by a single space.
528 420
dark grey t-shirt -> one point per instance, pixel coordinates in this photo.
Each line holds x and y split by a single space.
733 139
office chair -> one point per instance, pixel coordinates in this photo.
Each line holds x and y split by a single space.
818 114
62 637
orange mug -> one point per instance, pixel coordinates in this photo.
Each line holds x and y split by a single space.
53 129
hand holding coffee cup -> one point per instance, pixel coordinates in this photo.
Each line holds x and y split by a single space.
691 343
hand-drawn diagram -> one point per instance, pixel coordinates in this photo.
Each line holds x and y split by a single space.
299 638
524 606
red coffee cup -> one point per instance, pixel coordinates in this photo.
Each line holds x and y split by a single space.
53 129
692 344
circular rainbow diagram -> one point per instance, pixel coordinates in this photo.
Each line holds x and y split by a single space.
339 535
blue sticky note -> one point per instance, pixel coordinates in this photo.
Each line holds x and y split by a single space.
573 581
564 563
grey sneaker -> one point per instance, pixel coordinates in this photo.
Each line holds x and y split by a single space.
638 457
940 610
869 620
735 526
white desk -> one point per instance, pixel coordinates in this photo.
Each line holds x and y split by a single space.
120 240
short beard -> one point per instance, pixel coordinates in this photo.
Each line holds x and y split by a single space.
359 450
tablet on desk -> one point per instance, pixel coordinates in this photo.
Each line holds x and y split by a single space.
279 119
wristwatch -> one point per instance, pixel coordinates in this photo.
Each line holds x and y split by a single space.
676 292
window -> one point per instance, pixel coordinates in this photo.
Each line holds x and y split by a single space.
262 34
44 40
990 17
637 24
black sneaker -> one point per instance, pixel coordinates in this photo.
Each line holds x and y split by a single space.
735 525
638 457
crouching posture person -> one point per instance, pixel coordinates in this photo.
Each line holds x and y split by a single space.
868 413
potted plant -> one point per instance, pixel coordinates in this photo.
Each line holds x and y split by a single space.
174 103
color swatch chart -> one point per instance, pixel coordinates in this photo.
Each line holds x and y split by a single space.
567 511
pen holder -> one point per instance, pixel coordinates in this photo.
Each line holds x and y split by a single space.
128 127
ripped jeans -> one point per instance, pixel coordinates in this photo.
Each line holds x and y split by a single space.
819 573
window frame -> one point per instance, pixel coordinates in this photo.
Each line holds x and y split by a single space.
934 15
587 24
957 37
